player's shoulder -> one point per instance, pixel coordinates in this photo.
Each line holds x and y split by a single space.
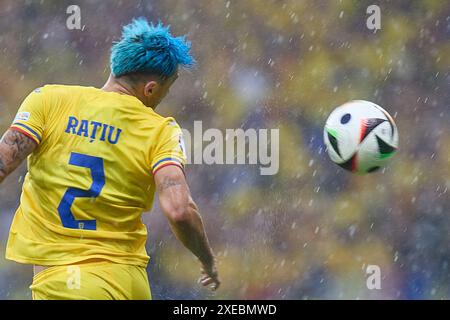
62 88
164 124
56 91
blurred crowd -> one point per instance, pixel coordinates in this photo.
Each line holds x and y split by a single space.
310 231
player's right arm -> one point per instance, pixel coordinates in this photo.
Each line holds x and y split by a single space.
185 220
25 133
14 148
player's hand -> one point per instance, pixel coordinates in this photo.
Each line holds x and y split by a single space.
210 276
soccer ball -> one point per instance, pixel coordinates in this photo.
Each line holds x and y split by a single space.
360 136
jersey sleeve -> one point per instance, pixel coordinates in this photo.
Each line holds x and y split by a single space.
170 149
30 119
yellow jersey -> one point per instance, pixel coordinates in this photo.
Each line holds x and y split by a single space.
91 176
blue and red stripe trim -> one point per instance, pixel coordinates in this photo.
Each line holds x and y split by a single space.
166 162
34 133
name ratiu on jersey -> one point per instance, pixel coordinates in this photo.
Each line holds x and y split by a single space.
94 130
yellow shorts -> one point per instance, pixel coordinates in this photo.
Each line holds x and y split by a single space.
92 281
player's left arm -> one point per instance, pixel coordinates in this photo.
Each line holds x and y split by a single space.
176 202
14 148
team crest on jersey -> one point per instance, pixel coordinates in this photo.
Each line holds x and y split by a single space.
24 116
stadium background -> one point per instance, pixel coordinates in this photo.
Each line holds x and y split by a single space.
310 231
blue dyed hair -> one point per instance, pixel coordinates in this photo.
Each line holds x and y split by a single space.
149 48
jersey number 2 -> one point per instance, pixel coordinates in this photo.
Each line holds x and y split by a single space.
95 164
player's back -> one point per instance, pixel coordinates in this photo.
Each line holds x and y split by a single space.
91 176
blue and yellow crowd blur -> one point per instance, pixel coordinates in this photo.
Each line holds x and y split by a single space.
312 230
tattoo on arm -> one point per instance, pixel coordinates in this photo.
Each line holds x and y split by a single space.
168 182
2 168
14 148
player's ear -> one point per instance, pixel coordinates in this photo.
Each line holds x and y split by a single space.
150 87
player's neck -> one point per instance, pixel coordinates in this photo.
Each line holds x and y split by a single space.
112 85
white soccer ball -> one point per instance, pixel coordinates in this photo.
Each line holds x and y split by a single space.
360 136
